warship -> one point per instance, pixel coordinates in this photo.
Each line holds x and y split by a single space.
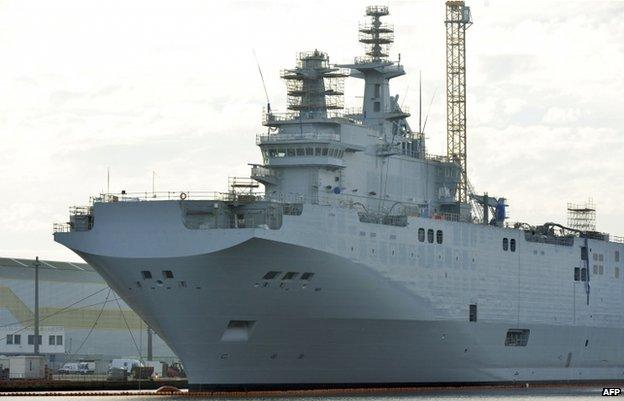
352 257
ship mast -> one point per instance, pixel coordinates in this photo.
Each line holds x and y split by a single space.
313 86
379 109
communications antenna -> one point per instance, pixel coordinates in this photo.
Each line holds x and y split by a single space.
458 19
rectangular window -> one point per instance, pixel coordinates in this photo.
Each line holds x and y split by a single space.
517 338
377 106
439 236
290 152
512 245
600 269
421 235
167 274
577 274
595 269
300 152
309 152
270 275
289 276
17 339
617 256
616 272
324 151
9 339
472 314
59 340
377 90
146 274
307 276
51 340
584 274
505 244
595 256
430 236
583 253
600 257
31 339
317 151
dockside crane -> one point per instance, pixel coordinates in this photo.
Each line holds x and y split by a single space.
458 19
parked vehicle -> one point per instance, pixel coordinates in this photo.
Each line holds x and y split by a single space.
86 368
69 368
124 364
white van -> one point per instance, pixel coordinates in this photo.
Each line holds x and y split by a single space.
124 364
69 368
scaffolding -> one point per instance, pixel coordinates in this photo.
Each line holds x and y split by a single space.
458 19
314 86
375 35
582 216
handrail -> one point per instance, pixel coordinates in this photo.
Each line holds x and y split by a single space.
305 136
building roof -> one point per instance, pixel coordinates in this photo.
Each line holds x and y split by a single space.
45 264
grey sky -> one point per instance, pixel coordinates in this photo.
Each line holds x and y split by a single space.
172 86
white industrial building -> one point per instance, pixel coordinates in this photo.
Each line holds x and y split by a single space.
80 317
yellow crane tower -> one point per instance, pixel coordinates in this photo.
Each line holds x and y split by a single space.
458 19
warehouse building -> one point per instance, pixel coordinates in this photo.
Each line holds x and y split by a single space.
81 318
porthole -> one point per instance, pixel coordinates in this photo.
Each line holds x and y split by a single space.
421 235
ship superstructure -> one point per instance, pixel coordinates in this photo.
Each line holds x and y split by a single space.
361 261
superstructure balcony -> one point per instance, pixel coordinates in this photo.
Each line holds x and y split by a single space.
313 137
264 175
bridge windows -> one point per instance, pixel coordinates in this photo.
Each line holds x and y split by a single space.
584 274
301 151
505 244
577 274
439 236
167 274
146 274
430 236
617 256
512 245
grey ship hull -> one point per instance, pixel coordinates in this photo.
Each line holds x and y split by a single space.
354 322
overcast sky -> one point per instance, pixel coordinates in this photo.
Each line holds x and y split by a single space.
173 87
